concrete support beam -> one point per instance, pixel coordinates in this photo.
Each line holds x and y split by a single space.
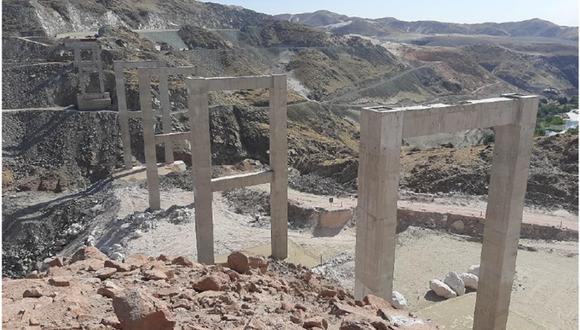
172 137
166 112
123 115
512 150
279 164
201 168
241 180
378 185
444 118
149 139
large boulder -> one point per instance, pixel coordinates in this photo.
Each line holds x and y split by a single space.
441 289
137 310
473 269
470 280
242 263
88 252
455 282
398 300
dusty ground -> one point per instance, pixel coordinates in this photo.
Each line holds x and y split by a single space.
545 288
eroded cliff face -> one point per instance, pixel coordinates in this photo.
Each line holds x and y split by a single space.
49 18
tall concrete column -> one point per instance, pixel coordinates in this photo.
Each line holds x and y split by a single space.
165 106
512 150
201 167
378 186
279 164
123 115
149 139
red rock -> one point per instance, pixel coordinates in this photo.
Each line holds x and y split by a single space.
166 292
376 302
214 282
111 322
258 263
315 322
327 293
356 325
286 306
109 289
297 317
163 257
136 310
137 260
59 281
154 275
105 273
32 293
55 262
300 306
182 261
88 252
119 266
255 324
242 263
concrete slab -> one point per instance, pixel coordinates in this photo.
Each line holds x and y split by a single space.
457 314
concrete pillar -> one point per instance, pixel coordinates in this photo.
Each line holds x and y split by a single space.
123 115
99 64
378 186
149 139
165 106
279 164
512 150
201 167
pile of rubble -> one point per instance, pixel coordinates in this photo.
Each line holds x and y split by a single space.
91 291
455 284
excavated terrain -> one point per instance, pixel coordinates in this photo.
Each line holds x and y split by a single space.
89 290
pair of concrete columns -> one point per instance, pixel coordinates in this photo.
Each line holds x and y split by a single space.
85 68
199 138
382 130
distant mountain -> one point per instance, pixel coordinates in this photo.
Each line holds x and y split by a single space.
385 26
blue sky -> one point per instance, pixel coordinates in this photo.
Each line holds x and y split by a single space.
563 12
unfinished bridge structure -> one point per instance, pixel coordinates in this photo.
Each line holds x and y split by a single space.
382 129
199 139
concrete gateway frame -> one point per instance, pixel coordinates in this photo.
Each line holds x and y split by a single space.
513 118
277 176
124 113
150 139
89 100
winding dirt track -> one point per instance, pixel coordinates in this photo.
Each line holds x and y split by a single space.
560 219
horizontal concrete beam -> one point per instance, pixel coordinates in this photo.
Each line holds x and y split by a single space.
82 44
241 180
122 65
444 118
186 70
135 114
172 137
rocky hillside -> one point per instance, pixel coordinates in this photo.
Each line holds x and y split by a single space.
88 290
389 25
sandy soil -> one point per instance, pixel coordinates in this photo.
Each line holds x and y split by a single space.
545 288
